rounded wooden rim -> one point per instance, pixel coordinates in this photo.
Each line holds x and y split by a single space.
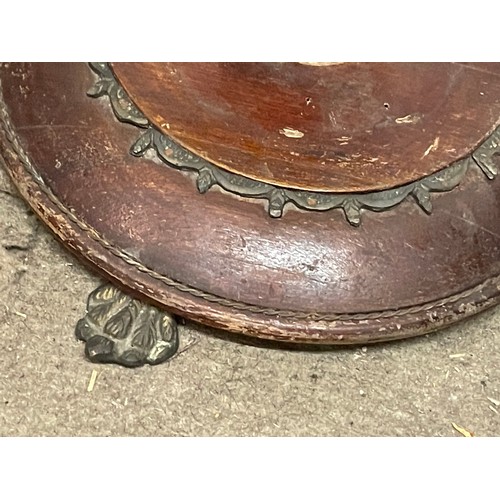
123 264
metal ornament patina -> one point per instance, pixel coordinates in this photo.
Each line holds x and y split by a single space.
123 330
209 175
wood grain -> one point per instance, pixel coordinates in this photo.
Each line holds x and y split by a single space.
337 128
227 247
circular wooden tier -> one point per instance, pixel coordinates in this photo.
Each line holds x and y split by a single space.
218 258
337 128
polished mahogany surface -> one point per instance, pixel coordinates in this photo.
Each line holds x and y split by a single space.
337 127
220 259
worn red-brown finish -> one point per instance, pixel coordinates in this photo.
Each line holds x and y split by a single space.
228 247
341 127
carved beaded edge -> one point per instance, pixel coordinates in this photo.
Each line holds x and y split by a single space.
209 175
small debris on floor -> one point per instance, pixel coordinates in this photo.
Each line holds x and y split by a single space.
494 401
459 355
462 430
92 380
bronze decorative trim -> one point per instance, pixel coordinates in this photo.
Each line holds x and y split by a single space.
210 175
434 310
123 330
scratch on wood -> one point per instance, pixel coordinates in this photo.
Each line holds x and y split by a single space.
431 148
472 223
408 119
51 126
332 119
292 133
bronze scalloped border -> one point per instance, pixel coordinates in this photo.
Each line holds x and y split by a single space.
18 151
209 175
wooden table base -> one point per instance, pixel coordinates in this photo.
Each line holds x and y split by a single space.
182 233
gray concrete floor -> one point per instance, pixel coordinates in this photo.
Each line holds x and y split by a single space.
415 387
